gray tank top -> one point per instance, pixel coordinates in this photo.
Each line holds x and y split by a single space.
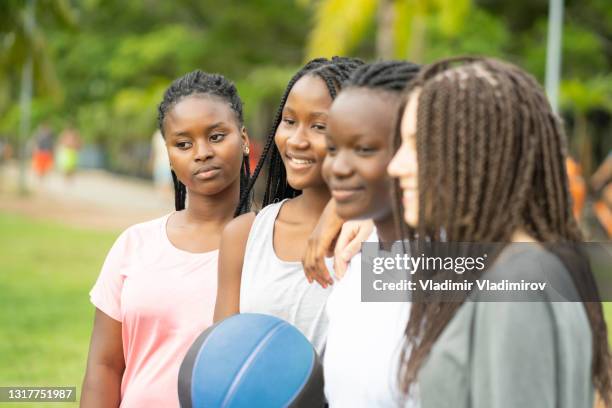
272 286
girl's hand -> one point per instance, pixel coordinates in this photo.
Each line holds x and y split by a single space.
353 234
321 244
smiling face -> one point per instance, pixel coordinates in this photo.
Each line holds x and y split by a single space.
359 149
300 136
205 144
404 165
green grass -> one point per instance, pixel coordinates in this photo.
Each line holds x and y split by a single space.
46 272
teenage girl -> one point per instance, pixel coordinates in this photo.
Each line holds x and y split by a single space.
364 339
482 160
259 262
156 291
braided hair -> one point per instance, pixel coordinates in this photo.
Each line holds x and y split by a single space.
491 157
384 75
333 72
202 83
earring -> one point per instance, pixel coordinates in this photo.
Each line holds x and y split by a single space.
246 150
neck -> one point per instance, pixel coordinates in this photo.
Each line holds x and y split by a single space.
312 201
520 235
385 228
217 208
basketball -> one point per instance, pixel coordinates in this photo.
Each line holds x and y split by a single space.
251 360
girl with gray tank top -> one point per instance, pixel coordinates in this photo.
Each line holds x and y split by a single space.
259 257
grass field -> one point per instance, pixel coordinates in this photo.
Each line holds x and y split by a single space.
46 272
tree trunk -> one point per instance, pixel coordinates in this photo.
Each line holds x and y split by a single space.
384 32
416 50
25 102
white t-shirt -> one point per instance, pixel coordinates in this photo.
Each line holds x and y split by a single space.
364 342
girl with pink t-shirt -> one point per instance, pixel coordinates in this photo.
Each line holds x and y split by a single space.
156 291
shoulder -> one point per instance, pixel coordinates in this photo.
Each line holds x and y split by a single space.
239 227
141 234
531 262
145 228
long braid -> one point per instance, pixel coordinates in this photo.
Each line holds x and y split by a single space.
180 192
490 149
202 83
333 72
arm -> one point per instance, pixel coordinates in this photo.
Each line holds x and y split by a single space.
320 244
105 364
333 234
231 257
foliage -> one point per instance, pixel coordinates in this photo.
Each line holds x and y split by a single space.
427 30
113 68
103 65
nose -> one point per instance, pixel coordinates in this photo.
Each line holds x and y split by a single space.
298 139
203 151
399 166
341 165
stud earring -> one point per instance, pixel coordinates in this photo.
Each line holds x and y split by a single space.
246 150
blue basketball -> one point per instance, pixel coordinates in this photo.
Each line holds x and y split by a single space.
251 360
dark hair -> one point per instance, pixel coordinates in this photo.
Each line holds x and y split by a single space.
491 159
388 76
384 75
333 72
202 83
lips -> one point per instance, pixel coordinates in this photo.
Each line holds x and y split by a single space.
206 172
409 195
298 161
408 187
344 194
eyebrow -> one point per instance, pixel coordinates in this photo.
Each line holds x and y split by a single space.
288 109
214 126
208 129
312 114
318 114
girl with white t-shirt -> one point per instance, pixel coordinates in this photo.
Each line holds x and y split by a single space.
156 291
364 339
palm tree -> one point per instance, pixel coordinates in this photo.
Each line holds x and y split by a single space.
401 25
24 55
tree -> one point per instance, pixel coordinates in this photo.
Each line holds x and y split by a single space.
581 97
401 25
25 50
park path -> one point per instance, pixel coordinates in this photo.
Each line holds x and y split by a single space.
92 199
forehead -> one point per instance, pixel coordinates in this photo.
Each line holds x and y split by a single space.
202 109
409 118
367 109
309 92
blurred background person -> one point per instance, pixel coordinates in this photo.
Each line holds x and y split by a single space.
601 183
68 152
42 152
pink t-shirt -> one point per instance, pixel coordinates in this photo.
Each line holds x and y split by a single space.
164 297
